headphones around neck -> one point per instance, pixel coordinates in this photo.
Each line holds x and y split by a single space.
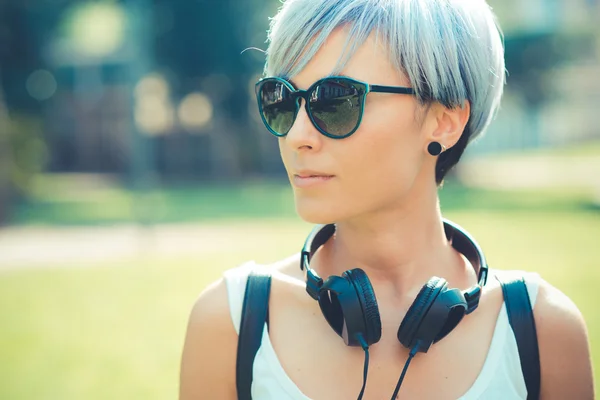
349 305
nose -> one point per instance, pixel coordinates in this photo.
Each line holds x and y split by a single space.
303 134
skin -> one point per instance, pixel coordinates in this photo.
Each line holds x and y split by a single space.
383 198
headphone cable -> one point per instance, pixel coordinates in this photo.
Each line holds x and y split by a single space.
365 347
412 353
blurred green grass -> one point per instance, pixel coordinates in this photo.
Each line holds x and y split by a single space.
106 205
115 331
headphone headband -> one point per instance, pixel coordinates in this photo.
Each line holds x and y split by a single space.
460 239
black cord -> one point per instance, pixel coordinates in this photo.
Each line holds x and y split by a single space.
365 347
412 353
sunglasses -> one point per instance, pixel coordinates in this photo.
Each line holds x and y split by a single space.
335 105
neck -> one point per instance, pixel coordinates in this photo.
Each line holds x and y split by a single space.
399 248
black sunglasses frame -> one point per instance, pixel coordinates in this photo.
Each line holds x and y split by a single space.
362 87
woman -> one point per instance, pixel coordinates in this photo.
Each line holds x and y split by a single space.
373 169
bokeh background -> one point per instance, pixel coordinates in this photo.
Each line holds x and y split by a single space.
134 169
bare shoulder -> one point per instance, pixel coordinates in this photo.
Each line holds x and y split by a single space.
209 352
566 368
209 355
288 268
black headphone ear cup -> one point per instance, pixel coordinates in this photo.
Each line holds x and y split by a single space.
418 309
368 301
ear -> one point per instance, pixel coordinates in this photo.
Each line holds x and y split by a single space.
451 123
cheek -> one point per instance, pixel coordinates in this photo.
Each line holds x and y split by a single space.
283 153
389 156
384 173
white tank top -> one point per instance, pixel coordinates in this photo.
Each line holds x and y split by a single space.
500 378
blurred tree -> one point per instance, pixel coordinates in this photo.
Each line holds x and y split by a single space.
5 160
531 60
22 147
196 46
200 44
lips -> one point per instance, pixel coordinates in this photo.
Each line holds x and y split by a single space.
305 179
312 174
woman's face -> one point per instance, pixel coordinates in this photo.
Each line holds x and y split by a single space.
377 166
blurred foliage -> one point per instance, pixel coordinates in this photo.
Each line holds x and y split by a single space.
5 160
531 60
23 157
29 151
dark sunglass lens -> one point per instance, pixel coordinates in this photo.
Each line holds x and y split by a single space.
335 106
277 106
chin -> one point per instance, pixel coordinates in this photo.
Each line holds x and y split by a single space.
318 211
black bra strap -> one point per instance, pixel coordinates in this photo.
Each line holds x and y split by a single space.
255 312
522 322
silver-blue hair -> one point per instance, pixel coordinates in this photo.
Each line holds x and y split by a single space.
450 50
